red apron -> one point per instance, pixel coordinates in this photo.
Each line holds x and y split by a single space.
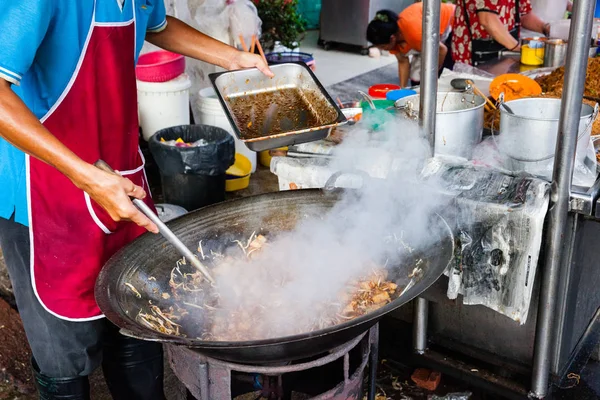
96 117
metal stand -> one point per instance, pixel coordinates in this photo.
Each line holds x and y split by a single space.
207 378
575 74
556 257
373 364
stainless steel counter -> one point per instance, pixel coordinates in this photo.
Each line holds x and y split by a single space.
505 65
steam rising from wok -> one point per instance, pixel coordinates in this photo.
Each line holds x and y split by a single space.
300 280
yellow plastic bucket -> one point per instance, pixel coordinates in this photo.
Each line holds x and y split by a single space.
264 157
532 51
238 175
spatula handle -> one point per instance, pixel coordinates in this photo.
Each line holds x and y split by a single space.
162 228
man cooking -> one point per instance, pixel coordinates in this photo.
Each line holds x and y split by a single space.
484 28
68 99
402 36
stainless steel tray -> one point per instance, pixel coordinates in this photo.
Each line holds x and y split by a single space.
232 85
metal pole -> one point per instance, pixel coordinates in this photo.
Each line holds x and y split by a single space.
427 111
421 314
429 68
575 71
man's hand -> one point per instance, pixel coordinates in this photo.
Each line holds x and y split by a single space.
244 59
112 192
24 130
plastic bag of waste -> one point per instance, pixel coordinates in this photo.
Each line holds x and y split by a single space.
213 154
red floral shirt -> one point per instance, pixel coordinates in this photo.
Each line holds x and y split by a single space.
461 40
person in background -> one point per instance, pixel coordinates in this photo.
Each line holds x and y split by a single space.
67 99
484 28
402 35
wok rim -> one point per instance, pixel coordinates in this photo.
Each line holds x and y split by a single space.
128 327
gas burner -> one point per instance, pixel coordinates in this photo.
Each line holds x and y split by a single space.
211 379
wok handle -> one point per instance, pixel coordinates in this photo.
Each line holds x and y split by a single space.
163 229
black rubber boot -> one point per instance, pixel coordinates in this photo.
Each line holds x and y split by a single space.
76 388
133 369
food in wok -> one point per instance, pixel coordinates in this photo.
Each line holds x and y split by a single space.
194 308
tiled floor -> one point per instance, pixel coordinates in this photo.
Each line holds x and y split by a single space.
338 65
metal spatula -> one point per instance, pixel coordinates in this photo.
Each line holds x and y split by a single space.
163 229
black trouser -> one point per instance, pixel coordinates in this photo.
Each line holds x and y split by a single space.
448 60
63 349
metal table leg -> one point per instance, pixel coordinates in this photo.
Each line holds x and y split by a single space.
421 314
427 113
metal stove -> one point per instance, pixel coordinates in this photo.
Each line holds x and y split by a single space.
207 378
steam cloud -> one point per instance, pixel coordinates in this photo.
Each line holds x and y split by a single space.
295 282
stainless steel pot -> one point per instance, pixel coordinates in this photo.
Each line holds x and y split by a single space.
459 121
555 53
530 134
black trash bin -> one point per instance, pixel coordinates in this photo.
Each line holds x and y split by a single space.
193 177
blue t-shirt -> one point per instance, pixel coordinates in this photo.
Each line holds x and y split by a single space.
40 44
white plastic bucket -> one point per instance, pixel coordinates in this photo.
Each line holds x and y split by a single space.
210 112
163 104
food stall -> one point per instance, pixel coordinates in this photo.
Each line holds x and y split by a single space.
551 347
501 343
494 337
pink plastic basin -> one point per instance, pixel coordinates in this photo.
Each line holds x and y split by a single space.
159 66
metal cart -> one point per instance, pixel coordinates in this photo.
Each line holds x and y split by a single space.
554 347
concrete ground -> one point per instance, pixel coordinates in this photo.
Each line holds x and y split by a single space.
340 63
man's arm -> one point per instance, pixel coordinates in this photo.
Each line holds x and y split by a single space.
403 69
497 29
181 38
20 127
532 22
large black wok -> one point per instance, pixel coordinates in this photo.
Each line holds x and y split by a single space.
151 256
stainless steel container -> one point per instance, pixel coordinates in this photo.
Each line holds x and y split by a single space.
555 54
530 135
233 86
459 122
